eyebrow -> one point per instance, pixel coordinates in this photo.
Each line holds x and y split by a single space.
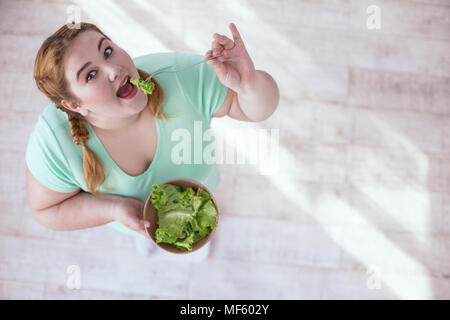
88 63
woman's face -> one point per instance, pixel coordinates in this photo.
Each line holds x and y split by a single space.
95 68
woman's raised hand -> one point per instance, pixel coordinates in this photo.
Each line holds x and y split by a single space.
235 69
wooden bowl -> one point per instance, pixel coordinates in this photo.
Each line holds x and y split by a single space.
151 214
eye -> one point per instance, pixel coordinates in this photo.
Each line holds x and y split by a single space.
108 49
89 75
107 53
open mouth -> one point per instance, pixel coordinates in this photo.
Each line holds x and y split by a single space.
127 90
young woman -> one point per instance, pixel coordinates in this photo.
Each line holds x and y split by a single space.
101 143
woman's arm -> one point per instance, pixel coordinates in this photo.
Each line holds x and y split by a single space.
86 210
259 99
81 211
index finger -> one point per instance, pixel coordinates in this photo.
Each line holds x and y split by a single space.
235 33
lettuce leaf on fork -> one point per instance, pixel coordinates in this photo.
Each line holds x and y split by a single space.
184 216
146 86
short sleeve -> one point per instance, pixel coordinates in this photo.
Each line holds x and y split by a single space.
46 161
200 84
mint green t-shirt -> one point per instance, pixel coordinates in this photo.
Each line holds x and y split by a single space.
191 97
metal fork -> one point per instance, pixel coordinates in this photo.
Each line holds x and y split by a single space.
163 71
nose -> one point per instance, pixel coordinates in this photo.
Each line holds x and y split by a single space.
115 72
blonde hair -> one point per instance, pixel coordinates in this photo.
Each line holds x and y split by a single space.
50 79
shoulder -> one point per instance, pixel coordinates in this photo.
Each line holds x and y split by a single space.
52 130
154 61
53 120
51 153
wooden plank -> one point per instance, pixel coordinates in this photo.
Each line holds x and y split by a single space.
404 130
18 290
267 202
11 217
54 292
446 139
243 280
240 280
416 271
354 285
317 162
397 209
444 224
294 119
301 120
397 17
31 100
103 268
389 167
407 19
225 190
12 168
332 124
364 285
438 175
371 51
443 3
401 91
274 241
396 252
303 79
22 123
285 197
391 198
31 15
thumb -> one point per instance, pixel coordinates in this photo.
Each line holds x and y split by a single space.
219 68
135 223
145 223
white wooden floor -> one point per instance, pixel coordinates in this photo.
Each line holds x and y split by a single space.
360 208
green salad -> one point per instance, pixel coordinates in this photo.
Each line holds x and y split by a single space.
146 86
185 216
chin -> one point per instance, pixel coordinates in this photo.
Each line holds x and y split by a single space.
138 103
141 101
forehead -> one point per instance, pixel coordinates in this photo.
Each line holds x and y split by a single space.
82 49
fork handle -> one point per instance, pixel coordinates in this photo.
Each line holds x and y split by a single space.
161 71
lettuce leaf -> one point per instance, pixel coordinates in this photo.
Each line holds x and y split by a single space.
183 217
146 86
